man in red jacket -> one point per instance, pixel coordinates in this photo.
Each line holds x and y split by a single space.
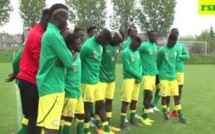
29 65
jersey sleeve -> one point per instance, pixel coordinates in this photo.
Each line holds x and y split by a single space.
185 54
126 61
160 56
36 48
142 48
62 52
16 60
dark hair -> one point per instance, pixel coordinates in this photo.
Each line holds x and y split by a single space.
151 31
129 29
91 28
45 12
173 37
57 6
70 39
137 39
174 29
76 30
123 34
106 33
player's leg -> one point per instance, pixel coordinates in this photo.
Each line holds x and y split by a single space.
31 105
79 113
148 86
126 95
156 95
100 106
23 130
175 93
49 112
164 92
68 114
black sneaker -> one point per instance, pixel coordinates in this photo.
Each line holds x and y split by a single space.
125 127
183 121
167 119
135 123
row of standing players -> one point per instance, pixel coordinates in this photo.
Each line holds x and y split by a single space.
56 72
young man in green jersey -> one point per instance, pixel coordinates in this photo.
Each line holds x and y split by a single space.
184 55
79 32
148 53
132 76
73 104
91 31
107 73
166 62
50 78
91 55
132 32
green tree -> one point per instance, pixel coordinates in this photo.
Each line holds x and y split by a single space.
5 9
31 10
157 15
124 14
85 13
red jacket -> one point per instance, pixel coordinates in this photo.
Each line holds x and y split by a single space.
29 63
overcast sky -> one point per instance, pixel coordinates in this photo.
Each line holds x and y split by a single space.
186 20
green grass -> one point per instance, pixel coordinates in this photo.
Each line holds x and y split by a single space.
197 103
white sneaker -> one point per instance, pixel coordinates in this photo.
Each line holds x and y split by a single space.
126 120
137 117
151 110
156 109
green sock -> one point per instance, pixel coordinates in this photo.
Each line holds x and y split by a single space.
123 116
109 121
86 127
178 108
156 97
79 126
109 115
106 126
20 131
98 121
164 111
145 114
24 125
132 115
91 112
67 127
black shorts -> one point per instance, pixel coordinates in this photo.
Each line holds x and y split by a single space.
29 98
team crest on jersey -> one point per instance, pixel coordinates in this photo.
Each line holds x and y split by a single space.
150 52
113 58
55 122
89 98
166 56
132 58
95 55
75 68
70 112
125 98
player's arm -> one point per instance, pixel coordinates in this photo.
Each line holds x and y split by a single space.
85 51
142 48
15 64
159 58
64 55
185 54
126 61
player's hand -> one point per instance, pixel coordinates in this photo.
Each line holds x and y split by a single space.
11 77
58 63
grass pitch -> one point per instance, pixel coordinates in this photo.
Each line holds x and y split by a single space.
197 103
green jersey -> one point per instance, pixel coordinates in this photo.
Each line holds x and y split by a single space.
91 56
132 67
73 79
166 62
50 78
108 63
148 53
16 60
127 43
183 55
